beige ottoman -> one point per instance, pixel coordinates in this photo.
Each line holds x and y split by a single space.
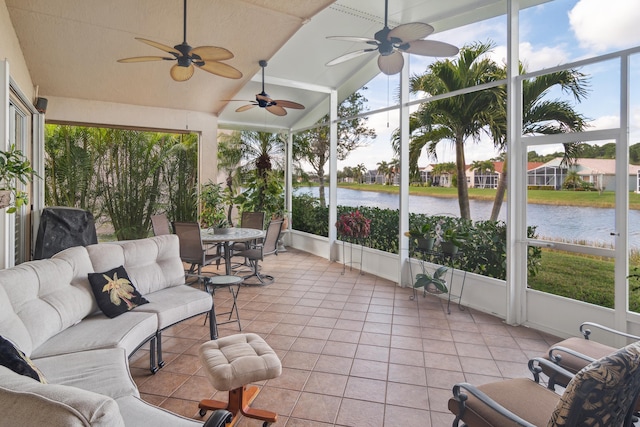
233 362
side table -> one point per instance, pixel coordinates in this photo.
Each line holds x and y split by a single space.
211 283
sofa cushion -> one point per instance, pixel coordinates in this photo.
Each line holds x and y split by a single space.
40 293
12 358
114 292
152 264
26 402
11 325
98 331
104 371
177 303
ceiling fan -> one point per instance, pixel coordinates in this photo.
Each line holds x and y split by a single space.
390 43
274 106
204 57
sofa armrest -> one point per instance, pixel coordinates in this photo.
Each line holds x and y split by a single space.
51 404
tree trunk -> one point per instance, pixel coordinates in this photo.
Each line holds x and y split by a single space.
463 191
320 171
500 191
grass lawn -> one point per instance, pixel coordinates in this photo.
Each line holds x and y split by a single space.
549 197
580 277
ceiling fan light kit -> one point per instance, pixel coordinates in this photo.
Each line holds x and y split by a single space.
391 43
206 58
274 106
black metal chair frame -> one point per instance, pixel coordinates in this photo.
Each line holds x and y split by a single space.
258 252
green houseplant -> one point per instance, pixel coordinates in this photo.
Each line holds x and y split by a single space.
14 167
451 234
423 236
434 284
213 203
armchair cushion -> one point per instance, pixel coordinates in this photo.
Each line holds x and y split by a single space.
114 292
522 396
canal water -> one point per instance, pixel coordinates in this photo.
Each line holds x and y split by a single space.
565 223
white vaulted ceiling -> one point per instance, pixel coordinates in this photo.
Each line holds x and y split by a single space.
72 46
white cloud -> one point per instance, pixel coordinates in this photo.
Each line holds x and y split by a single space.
604 122
534 59
602 25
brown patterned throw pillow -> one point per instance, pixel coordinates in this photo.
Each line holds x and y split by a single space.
114 292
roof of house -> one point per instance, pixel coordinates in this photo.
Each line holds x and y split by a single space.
586 166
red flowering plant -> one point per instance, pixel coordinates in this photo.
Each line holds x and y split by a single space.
353 225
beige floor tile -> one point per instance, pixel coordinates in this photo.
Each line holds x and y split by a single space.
355 350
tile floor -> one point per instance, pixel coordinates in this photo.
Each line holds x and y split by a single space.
355 350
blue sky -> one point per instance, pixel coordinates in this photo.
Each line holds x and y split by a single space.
553 33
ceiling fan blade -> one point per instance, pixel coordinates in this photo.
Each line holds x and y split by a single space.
348 56
144 59
180 73
411 31
211 53
391 64
160 46
277 110
288 104
353 39
431 48
245 108
221 69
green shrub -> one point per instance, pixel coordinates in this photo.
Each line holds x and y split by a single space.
483 247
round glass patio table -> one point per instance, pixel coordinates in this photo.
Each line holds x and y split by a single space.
231 235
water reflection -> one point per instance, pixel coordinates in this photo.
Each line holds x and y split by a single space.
568 223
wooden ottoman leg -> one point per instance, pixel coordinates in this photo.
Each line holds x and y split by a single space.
239 401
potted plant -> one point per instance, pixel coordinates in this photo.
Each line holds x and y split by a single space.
434 284
213 212
354 225
14 166
423 236
450 235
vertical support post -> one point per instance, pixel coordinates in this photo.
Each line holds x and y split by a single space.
404 172
516 184
6 260
288 177
333 174
621 296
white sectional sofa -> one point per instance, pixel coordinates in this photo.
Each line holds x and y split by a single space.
49 312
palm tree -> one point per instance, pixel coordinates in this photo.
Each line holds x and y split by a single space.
230 147
383 168
572 180
394 169
483 167
541 116
458 118
359 172
262 150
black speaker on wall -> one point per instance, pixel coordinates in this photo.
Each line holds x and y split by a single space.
41 105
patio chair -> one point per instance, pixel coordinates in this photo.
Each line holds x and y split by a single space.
192 251
160 224
257 253
601 394
249 220
575 353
